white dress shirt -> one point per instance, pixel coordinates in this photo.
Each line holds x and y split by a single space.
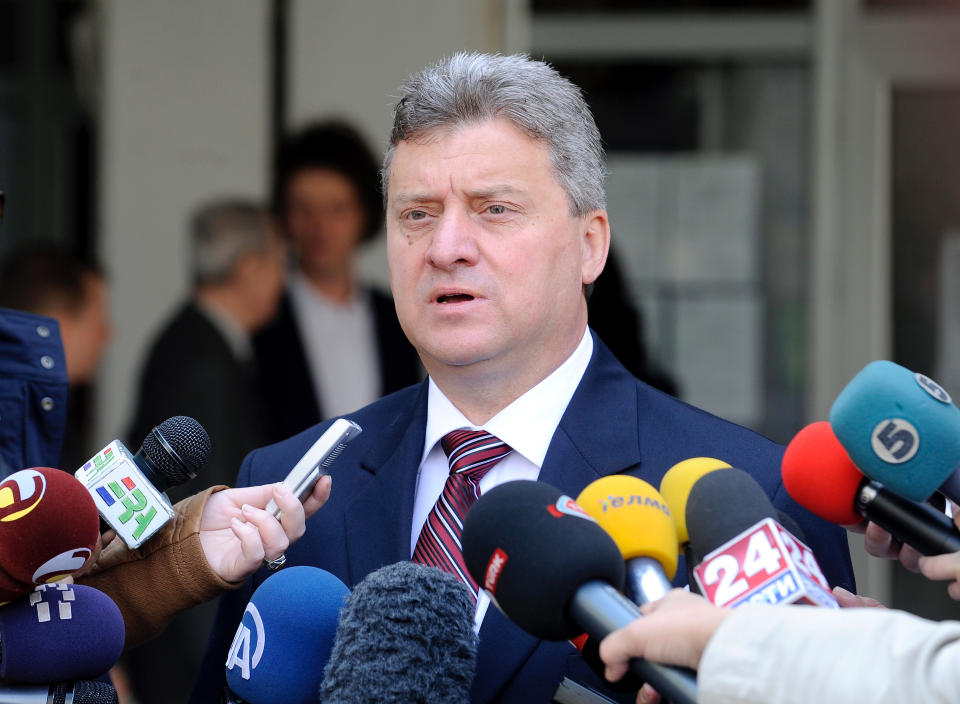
340 344
527 425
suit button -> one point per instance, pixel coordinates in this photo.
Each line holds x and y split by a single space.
46 361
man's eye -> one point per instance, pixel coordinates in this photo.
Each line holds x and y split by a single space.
416 215
496 210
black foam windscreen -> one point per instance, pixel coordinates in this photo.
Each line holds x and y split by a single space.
722 505
175 450
531 547
404 635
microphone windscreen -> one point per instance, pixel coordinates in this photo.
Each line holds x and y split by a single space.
531 547
900 428
635 515
59 632
49 526
676 484
722 505
820 476
405 635
285 637
175 451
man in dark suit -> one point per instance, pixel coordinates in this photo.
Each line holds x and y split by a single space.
496 224
200 365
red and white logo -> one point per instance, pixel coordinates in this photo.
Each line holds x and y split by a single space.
494 570
566 506
764 564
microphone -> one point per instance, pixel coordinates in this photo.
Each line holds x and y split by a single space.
405 635
285 637
83 692
675 488
635 515
128 489
820 476
48 529
748 556
901 429
59 632
555 572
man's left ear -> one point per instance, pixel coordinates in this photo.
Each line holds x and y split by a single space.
595 244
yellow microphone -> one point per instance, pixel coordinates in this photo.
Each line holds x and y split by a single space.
639 521
675 488
676 485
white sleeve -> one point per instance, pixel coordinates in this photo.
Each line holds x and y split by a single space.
802 654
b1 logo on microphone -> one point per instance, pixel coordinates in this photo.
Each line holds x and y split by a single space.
240 654
764 564
129 503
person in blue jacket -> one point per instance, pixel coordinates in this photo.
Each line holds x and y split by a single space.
496 228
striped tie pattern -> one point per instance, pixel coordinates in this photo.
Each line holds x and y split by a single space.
470 454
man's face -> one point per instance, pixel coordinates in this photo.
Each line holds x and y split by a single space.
86 331
487 264
325 220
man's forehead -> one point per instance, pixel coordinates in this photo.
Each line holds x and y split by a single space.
492 157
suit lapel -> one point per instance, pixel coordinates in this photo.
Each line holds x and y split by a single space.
597 436
378 521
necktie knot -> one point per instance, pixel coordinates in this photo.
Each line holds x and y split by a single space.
473 453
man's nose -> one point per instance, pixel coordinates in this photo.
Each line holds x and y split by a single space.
454 240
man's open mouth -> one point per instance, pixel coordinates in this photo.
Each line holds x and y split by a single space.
454 298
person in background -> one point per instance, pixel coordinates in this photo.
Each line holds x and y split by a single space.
49 281
335 344
201 365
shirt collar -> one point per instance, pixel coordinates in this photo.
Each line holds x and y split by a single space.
528 423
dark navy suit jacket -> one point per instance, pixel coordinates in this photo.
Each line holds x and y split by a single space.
613 424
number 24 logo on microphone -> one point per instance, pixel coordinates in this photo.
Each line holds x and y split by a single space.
763 564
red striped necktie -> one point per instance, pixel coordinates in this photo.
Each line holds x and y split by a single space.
470 454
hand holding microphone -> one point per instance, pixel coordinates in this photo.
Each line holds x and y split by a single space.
674 630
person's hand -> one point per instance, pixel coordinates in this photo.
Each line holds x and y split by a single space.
237 534
880 543
674 630
944 567
849 600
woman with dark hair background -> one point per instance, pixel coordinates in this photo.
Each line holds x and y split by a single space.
335 344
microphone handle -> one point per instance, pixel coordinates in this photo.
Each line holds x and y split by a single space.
600 609
919 525
646 580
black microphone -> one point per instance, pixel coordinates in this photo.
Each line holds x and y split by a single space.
747 556
128 488
556 573
83 692
405 635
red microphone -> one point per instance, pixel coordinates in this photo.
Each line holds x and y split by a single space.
49 526
820 476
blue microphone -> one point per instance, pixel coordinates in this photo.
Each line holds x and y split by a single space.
901 429
285 638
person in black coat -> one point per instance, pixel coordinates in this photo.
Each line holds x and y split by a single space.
201 365
335 343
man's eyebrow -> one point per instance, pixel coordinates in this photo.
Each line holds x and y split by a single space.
497 190
406 198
